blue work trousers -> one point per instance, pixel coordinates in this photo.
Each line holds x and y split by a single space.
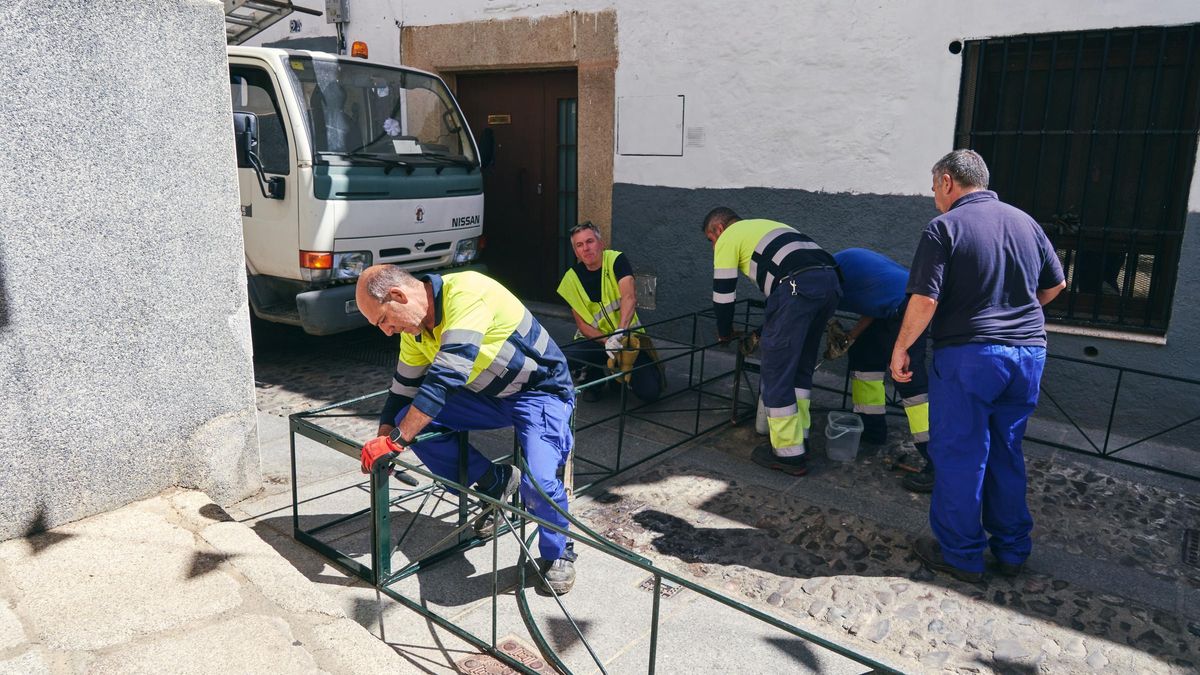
542 424
980 399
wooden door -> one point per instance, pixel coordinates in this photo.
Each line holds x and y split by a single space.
523 221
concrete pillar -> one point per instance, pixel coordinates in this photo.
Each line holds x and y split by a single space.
125 354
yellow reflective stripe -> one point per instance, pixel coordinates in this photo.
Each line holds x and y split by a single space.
918 420
786 432
804 415
869 393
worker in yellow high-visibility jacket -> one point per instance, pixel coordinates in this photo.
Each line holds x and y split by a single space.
800 281
600 291
473 357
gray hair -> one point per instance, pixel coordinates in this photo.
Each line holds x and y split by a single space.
585 225
387 277
966 167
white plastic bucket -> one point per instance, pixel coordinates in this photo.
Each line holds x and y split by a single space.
760 419
843 431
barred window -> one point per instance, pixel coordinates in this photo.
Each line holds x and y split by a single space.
1094 134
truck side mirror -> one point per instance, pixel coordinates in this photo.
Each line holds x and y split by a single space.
245 137
245 143
487 148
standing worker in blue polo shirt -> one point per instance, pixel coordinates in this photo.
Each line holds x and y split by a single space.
800 281
981 274
473 357
873 287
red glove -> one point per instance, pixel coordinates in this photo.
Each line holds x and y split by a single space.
375 448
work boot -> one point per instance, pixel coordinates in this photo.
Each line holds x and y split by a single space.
921 481
506 478
929 552
1007 569
764 455
559 575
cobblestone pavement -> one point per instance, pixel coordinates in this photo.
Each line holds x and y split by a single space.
1109 592
827 567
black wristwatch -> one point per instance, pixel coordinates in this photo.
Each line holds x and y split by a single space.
398 439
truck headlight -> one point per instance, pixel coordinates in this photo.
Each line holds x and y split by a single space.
467 250
350 265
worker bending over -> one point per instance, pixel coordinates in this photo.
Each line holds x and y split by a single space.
801 283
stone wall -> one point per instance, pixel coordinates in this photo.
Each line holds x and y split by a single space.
125 357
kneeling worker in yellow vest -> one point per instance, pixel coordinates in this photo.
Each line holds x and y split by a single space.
473 357
600 290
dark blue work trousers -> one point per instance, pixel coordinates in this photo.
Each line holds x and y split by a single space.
793 322
980 399
542 424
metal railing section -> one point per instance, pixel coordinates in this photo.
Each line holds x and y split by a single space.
513 520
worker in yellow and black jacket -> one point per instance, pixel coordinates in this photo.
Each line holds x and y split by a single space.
600 291
473 357
801 283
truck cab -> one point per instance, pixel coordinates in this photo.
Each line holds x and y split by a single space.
342 164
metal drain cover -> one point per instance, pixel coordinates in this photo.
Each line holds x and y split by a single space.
666 590
486 664
1191 547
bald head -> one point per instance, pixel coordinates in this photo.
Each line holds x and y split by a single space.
392 299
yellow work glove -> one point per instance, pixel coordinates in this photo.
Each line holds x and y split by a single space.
837 341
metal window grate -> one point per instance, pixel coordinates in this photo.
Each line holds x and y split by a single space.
1094 134
1191 547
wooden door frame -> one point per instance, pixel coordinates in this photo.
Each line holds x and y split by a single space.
586 42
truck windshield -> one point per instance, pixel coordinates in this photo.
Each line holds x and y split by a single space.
360 111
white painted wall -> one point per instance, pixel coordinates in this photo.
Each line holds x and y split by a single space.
823 95
831 95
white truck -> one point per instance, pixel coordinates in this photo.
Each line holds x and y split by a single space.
342 164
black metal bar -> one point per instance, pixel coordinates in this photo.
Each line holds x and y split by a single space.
1004 42
1112 458
1156 434
1070 419
1128 282
1037 171
1112 189
1112 410
975 105
1083 201
1016 159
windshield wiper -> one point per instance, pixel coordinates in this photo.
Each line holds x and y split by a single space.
449 161
386 162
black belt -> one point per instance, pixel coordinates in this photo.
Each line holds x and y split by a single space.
811 268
